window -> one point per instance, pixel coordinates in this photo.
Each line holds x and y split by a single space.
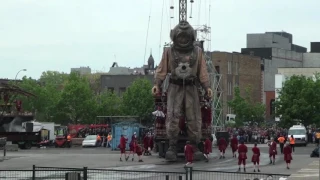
122 90
229 67
229 88
111 89
272 107
236 68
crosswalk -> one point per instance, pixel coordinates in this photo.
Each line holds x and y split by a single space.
311 171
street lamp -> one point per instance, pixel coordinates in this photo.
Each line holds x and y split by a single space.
18 73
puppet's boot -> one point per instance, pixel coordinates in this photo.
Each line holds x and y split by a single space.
171 154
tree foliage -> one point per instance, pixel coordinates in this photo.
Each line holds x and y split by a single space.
299 101
245 109
74 98
77 100
137 100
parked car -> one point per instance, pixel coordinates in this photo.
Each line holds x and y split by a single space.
90 141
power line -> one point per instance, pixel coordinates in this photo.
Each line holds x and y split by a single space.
145 48
161 28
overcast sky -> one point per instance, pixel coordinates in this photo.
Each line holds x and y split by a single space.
42 35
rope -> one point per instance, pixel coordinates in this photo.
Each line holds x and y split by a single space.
145 48
161 28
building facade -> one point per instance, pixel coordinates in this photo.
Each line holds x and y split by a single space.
82 70
119 83
239 70
276 50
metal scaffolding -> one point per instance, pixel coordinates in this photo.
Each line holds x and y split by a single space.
203 34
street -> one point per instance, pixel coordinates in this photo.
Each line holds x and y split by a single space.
102 158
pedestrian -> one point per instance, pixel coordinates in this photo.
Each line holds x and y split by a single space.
132 145
234 145
242 151
146 145
292 142
281 140
272 151
109 139
207 148
287 151
255 157
188 152
139 151
122 146
222 147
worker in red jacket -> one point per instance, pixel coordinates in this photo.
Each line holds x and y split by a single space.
188 152
234 145
242 151
222 146
272 151
207 148
122 146
287 152
255 157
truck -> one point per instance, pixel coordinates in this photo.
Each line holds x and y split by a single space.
25 140
30 134
299 133
160 137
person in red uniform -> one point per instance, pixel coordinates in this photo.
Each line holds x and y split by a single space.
255 157
234 145
272 151
146 145
122 146
139 151
242 151
222 146
207 149
287 152
151 142
188 152
132 145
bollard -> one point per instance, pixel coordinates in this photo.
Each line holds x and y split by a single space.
4 152
33 172
85 173
73 176
167 177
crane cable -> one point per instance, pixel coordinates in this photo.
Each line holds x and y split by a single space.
161 28
145 48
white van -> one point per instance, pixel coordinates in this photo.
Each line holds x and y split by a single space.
299 133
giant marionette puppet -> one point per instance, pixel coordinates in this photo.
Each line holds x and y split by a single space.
188 69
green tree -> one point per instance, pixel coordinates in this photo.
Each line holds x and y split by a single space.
245 109
77 103
137 100
48 91
299 101
108 104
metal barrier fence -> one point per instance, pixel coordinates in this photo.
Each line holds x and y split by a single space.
54 173
206 175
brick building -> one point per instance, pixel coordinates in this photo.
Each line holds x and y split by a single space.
238 70
276 49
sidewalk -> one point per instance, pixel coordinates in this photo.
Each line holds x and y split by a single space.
310 172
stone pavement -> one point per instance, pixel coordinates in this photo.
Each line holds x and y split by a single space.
310 172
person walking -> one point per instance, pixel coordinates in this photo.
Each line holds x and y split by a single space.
292 143
281 140
256 157
287 151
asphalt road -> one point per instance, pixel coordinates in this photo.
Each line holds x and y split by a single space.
103 158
